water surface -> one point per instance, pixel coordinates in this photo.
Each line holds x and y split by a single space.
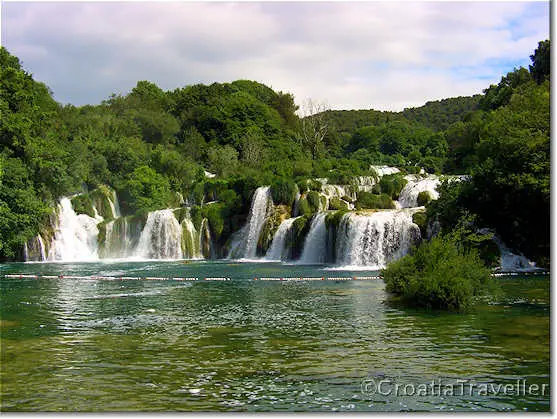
245 345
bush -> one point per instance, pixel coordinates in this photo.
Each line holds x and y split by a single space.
82 204
420 218
424 198
438 275
391 185
284 192
313 199
337 204
333 219
368 200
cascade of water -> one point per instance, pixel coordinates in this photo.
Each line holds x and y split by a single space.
191 240
34 249
315 245
244 243
408 197
205 240
376 239
511 261
277 250
75 238
115 205
161 237
385 170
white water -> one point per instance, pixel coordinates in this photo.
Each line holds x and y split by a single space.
115 206
161 237
315 245
376 239
193 237
511 261
408 197
75 238
278 250
385 170
244 243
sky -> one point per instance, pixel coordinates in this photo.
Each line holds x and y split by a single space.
345 55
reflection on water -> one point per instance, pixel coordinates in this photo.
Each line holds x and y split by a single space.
255 346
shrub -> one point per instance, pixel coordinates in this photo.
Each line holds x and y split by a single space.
82 204
315 185
368 200
337 204
424 198
284 192
391 185
438 275
333 219
314 200
420 218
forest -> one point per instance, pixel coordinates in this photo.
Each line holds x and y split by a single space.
156 148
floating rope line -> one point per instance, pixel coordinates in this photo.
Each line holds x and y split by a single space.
157 278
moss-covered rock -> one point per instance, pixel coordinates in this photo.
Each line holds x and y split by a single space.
332 219
337 204
82 204
368 200
279 213
390 185
295 240
283 192
420 219
102 199
424 198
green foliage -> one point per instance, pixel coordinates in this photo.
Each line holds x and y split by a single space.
82 204
438 275
271 225
336 204
314 201
295 241
333 219
284 192
391 185
541 62
420 219
145 191
424 198
368 200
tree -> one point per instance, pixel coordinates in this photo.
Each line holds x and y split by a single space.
541 63
313 127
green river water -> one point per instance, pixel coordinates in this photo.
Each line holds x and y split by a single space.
245 345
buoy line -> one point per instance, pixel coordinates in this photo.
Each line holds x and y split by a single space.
158 278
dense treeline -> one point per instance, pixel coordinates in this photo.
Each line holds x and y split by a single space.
153 147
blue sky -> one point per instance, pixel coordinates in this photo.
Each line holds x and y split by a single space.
348 55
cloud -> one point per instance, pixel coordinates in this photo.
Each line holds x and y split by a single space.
381 55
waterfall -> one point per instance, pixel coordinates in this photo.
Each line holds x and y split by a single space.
511 261
315 245
244 242
161 237
376 239
408 197
277 251
75 238
34 250
191 240
205 241
385 170
115 206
